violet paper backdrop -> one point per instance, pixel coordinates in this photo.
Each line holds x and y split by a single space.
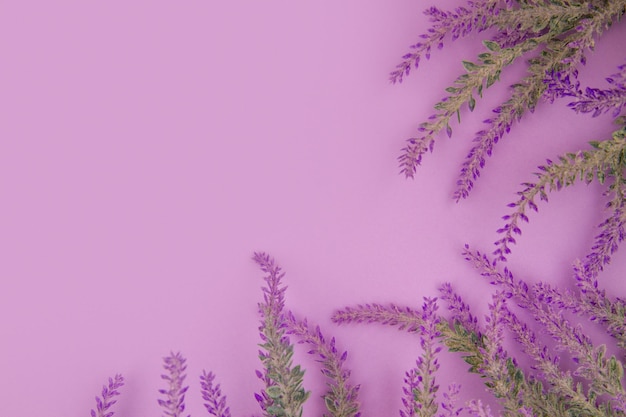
149 148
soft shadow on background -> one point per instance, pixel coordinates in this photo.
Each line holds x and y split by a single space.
149 148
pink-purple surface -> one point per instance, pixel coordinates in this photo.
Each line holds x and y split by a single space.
149 147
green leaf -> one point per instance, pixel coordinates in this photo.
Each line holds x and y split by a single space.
472 103
491 45
276 410
330 404
296 372
301 396
274 392
470 66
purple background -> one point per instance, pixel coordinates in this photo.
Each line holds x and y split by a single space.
150 147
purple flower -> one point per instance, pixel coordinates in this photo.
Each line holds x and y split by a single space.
174 402
460 311
457 23
450 399
607 242
108 394
422 386
592 364
590 100
478 409
405 318
283 394
212 394
342 397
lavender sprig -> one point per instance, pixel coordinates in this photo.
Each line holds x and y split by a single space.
341 399
612 229
561 33
590 100
478 409
109 392
558 57
283 395
562 383
604 374
174 402
595 303
411 385
601 162
466 88
212 394
457 23
405 318
450 400
460 311
425 391
457 338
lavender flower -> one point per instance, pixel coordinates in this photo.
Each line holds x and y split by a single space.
460 311
405 318
212 394
424 389
604 374
411 385
174 402
342 398
283 395
479 76
561 382
562 32
590 100
478 351
599 163
612 229
109 392
595 303
458 23
450 400
478 409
